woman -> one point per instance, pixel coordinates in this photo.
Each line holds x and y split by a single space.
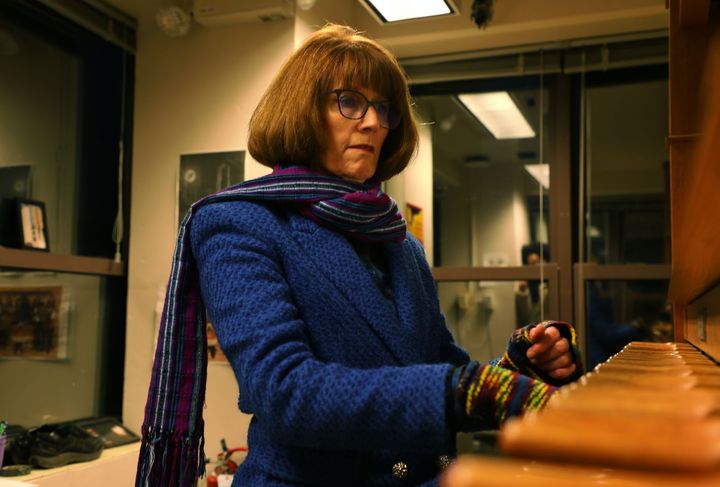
322 302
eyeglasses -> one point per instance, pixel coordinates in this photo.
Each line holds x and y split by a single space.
354 105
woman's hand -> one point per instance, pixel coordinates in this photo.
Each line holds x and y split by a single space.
550 352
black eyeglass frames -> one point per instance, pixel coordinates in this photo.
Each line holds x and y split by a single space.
354 105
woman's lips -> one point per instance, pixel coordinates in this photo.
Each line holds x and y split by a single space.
364 147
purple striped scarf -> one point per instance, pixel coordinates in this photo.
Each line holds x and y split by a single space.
172 447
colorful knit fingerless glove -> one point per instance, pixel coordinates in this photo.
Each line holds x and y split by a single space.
515 357
489 392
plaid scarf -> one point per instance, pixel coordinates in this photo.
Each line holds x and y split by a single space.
172 447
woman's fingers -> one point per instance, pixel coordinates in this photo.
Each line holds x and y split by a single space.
544 341
562 372
550 353
563 360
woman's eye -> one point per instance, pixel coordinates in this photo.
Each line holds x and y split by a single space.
348 101
382 108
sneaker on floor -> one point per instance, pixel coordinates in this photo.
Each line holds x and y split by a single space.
17 447
53 446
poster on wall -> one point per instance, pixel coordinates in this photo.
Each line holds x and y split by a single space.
414 219
207 173
32 324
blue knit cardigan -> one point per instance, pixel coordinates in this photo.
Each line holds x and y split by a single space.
342 382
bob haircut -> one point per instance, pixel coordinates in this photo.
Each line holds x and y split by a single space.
289 124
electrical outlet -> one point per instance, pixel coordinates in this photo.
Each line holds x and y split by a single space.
701 324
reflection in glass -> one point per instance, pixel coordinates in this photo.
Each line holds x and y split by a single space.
488 200
619 312
53 346
625 177
39 92
61 93
482 315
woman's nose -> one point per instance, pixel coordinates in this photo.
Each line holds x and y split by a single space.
370 120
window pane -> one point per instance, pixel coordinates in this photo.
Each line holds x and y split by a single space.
60 99
55 337
619 312
488 201
39 95
482 315
626 200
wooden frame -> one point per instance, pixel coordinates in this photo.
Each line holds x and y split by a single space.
547 272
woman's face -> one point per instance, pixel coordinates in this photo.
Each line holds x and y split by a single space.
353 146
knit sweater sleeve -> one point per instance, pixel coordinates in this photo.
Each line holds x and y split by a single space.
299 399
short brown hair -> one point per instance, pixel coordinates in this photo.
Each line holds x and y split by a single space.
288 125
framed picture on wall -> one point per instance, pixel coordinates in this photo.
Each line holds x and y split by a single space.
207 173
32 323
32 225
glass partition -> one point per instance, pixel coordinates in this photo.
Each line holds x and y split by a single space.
65 93
62 95
623 272
482 315
40 120
58 346
626 169
621 311
490 197
491 206
598 136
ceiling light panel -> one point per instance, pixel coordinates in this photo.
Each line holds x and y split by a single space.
398 10
499 114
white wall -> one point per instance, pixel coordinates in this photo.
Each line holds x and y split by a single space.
192 95
415 186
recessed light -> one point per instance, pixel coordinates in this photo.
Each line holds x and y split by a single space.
387 11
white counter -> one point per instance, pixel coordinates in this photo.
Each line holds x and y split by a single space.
115 468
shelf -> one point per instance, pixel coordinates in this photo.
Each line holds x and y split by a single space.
44 261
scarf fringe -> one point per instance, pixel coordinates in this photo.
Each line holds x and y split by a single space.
170 458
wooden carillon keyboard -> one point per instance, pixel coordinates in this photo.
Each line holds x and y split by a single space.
648 416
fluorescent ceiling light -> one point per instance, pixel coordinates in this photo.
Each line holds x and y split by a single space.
396 10
499 114
541 173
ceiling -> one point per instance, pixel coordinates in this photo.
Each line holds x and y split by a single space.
514 22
